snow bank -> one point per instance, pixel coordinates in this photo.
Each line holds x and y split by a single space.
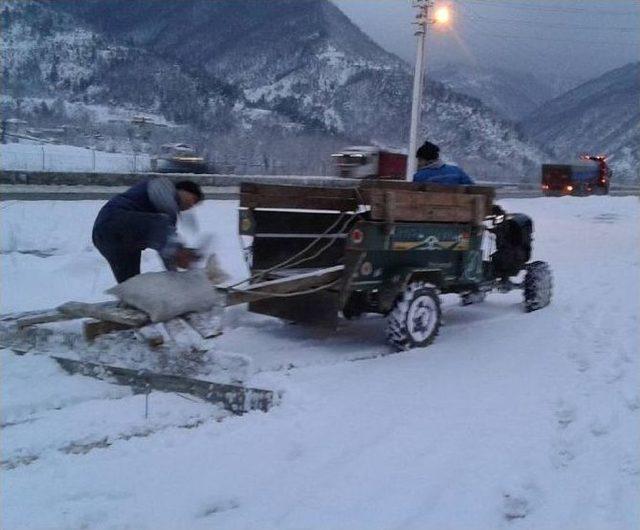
509 420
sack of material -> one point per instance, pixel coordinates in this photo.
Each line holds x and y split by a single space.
166 295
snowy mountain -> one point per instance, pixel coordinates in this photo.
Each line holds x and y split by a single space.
48 54
600 116
58 71
513 94
286 80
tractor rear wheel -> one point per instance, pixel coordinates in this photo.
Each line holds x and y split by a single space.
414 321
538 286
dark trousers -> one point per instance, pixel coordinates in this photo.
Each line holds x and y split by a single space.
121 236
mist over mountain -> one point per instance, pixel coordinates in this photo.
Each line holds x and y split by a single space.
511 93
601 116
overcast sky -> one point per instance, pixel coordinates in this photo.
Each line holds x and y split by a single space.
579 38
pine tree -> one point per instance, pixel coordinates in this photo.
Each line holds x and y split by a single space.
53 74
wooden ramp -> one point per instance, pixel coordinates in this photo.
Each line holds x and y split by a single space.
234 398
102 322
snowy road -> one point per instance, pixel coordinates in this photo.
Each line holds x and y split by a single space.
509 420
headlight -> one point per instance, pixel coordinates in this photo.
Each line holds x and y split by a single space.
366 269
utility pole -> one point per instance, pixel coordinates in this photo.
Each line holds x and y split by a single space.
422 21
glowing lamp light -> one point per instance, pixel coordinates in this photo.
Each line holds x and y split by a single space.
442 15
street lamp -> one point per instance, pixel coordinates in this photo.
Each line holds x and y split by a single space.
442 15
423 19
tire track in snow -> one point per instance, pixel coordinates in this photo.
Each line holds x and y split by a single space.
80 428
601 348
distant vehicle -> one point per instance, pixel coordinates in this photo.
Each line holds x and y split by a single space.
592 176
370 162
178 158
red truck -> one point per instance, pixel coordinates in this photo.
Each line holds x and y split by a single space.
592 176
361 162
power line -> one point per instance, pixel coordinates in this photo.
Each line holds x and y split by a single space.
555 25
469 17
573 41
554 10
520 46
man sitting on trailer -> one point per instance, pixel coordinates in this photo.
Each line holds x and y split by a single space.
143 217
431 170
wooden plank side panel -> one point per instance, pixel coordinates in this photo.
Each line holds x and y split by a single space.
403 185
427 206
294 191
343 199
305 202
488 192
304 197
434 214
275 222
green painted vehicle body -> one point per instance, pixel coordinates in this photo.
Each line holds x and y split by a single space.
384 257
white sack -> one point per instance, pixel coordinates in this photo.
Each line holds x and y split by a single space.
166 295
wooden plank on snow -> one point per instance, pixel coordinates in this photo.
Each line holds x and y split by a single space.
207 323
92 329
151 335
109 311
182 334
234 398
42 318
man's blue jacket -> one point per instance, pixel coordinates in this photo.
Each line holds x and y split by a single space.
444 174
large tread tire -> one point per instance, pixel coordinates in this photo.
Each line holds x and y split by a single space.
414 321
538 286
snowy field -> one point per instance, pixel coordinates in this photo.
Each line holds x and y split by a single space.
509 420
32 157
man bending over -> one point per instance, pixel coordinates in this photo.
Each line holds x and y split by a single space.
143 217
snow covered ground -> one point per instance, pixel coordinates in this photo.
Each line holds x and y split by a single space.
509 420
32 157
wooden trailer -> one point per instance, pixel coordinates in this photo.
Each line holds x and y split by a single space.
307 230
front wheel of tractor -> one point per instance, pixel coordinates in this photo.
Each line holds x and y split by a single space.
538 286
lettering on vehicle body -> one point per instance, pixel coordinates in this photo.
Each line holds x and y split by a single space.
430 238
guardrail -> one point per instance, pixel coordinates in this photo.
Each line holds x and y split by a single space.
27 185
